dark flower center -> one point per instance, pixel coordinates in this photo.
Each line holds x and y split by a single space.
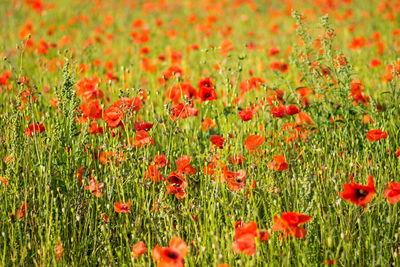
172 254
361 193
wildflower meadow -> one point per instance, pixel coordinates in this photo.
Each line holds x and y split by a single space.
199 133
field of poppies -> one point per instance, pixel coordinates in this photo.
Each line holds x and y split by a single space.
199 133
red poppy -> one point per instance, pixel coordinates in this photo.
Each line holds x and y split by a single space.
183 166
121 207
160 161
279 163
91 110
143 138
172 256
278 112
95 188
34 128
247 114
245 237
226 46
138 249
105 217
153 173
176 185
392 192
208 124
236 180
236 160
376 134
218 141
253 141
375 62
357 92
291 110
398 153
4 180
183 111
59 250
359 194
21 212
95 128
113 116
206 90
289 223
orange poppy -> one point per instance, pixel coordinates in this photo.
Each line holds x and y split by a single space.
253 141
59 250
208 124
113 116
121 207
392 192
4 180
245 237
138 249
279 163
95 188
172 256
289 223
21 212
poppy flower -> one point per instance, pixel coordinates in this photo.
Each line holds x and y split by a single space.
367 119
34 128
138 249
153 173
121 207
105 217
398 153
113 116
289 223
95 188
392 192
273 51
183 167
208 124
143 138
160 161
176 185
90 95
206 90
21 212
253 141
375 62
236 160
236 180
94 128
245 237
3 180
279 163
278 112
145 126
218 141
291 110
226 46
359 194
376 134
183 111
247 114
91 110
172 256
128 104
59 250
357 92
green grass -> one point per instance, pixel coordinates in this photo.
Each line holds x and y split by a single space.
43 168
